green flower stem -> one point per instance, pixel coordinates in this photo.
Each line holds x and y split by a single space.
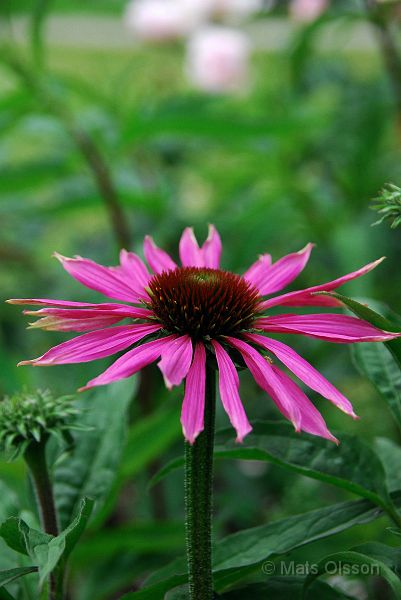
198 500
35 458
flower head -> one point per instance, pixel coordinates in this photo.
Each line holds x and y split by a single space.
182 315
218 59
31 417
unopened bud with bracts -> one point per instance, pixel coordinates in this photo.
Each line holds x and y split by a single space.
388 205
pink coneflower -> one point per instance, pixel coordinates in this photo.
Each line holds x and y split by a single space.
185 315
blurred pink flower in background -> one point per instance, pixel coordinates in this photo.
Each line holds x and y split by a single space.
157 20
307 10
218 59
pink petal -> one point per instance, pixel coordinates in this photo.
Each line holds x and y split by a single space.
265 377
311 420
190 253
134 268
302 369
176 360
306 297
62 319
211 249
229 392
258 271
60 303
193 406
157 258
66 324
94 345
106 280
284 271
341 329
131 362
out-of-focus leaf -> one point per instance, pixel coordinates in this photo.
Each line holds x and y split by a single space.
377 363
352 465
344 561
282 588
146 440
242 553
91 468
145 538
12 574
390 456
374 318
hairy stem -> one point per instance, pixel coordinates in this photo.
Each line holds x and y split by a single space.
198 500
35 458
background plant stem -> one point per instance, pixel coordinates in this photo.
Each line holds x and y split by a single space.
198 500
35 458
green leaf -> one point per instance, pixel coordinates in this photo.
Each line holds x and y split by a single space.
374 318
12 574
244 552
352 465
344 561
60 547
376 363
45 550
91 468
146 440
390 455
142 538
282 588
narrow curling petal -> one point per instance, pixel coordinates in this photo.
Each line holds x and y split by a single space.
266 378
94 345
258 271
157 258
311 420
105 280
131 362
285 270
66 324
308 297
341 329
176 360
211 249
190 253
193 406
134 268
229 392
304 371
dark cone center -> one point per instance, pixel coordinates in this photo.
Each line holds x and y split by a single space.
203 302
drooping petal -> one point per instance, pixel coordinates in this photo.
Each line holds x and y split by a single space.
307 297
77 325
94 345
134 268
341 329
105 280
258 271
57 303
193 406
132 361
265 377
190 253
176 360
311 420
229 392
304 371
85 319
284 271
157 258
211 249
